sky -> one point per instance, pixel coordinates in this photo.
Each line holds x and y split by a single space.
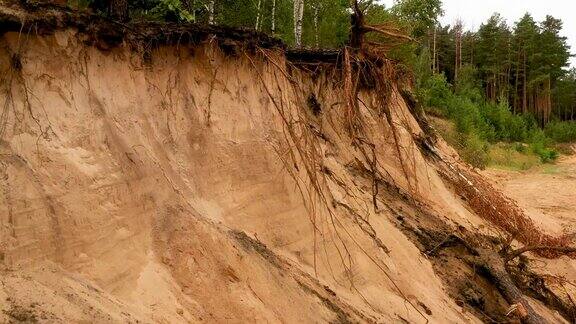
475 12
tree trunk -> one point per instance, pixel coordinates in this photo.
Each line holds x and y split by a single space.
472 45
119 10
434 67
298 16
193 10
316 31
517 79
548 100
458 51
211 12
258 15
273 17
508 73
495 266
525 86
493 93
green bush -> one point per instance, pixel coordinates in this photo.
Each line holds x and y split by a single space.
508 127
475 151
169 10
561 132
435 92
540 145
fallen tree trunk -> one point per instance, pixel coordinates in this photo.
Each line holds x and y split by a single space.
494 264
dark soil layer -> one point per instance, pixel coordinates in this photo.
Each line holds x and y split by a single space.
43 18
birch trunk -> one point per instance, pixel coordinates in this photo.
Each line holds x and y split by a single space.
298 16
273 17
211 12
258 14
316 32
193 10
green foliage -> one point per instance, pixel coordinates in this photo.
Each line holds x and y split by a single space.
521 63
480 124
435 92
493 47
540 145
468 83
561 131
169 10
419 15
475 150
564 95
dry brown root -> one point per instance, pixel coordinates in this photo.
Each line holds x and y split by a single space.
493 206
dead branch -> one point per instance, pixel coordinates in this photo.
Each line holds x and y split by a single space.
565 250
368 28
495 266
359 29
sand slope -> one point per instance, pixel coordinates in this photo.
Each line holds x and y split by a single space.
178 189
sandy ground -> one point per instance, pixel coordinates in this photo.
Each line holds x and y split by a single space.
546 193
182 190
176 192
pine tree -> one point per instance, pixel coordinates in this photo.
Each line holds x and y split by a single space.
493 56
525 41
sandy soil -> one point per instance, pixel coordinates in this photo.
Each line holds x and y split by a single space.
200 187
546 193
170 189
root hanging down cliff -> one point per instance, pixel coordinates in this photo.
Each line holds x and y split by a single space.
163 173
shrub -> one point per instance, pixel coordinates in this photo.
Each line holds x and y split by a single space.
539 144
561 131
475 151
435 92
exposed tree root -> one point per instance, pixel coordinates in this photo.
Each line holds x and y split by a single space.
106 34
360 67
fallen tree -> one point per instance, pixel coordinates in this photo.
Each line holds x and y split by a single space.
485 200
